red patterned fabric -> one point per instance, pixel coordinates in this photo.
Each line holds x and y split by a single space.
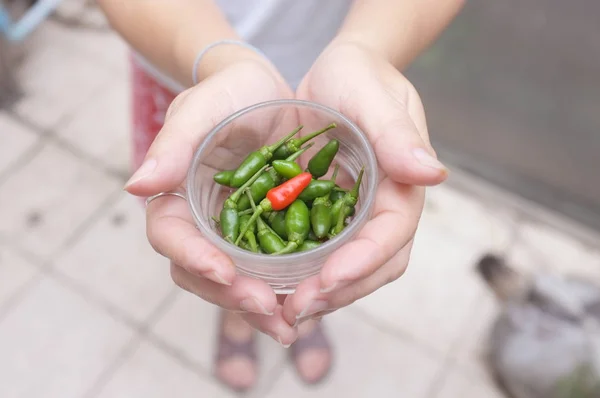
150 101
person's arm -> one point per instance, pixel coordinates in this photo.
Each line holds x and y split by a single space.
398 29
170 33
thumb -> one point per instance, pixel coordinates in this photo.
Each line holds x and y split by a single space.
189 118
394 121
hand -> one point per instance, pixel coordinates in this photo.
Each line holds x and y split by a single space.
196 265
369 90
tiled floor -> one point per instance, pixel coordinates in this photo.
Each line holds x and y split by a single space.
87 309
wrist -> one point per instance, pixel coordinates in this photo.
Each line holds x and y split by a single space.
214 59
363 43
221 57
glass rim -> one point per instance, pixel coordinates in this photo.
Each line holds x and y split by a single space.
371 169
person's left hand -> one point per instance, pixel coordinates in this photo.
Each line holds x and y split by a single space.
365 87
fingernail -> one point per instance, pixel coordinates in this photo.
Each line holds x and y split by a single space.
252 304
317 316
216 277
281 343
427 160
313 307
329 288
144 171
334 286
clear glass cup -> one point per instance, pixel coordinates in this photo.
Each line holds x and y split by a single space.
262 124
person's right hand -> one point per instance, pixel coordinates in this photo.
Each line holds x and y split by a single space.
196 265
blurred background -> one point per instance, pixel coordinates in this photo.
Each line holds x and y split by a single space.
87 309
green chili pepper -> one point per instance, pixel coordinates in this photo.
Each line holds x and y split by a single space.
269 179
319 164
297 226
308 245
249 235
320 214
343 207
229 218
316 189
268 240
246 246
351 211
258 190
277 222
257 159
336 194
312 236
224 177
336 208
340 223
350 198
287 169
269 216
294 144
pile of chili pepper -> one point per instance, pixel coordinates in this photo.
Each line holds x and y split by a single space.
279 208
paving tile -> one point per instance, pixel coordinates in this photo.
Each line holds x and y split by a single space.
42 203
542 247
54 344
15 272
190 327
368 363
437 293
101 127
472 343
56 78
461 383
15 140
114 260
103 45
151 373
464 216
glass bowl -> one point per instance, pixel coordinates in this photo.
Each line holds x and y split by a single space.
262 124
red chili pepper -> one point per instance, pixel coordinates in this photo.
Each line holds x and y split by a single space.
285 194
278 198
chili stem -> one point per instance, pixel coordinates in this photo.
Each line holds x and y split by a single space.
273 148
308 137
236 195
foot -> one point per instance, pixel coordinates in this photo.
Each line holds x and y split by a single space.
311 353
236 353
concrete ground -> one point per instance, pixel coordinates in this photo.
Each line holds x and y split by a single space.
87 309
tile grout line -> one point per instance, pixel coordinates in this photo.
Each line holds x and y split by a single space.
79 231
14 300
77 152
394 332
106 375
23 160
273 377
450 355
140 333
90 160
439 378
529 210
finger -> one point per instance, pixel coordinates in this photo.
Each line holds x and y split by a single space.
190 117
245 294
274 326
396 216
172 233
308 302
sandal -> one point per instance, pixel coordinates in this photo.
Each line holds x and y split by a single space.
315 340
228 349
